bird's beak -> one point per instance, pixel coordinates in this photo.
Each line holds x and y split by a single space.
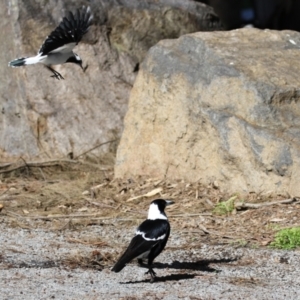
169 202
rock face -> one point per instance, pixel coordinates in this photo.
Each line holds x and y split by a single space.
45 118
219 106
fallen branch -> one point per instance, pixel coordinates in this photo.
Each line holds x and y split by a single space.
92 217
68 217
55 216
5 165
189 215
243 205
97 146
13 214
118 219
43 164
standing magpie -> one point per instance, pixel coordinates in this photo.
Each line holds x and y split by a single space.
58 46
150 238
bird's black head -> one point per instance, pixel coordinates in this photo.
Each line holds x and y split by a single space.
162 203
75 59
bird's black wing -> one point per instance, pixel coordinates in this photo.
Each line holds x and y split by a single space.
68 33
137 246
148 234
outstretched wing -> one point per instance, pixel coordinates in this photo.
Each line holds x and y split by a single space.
148 234
68 33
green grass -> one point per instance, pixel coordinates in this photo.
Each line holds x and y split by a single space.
225 207
239 243
287 238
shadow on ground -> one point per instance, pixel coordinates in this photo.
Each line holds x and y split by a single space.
172 277
202 265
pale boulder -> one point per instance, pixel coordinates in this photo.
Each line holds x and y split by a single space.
219 106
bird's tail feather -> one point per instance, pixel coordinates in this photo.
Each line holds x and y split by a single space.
26 61
118 266
17 62
125 258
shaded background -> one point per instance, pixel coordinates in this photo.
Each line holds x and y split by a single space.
273 14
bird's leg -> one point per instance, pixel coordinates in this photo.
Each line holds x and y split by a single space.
152 273
56 74
140 262
85 68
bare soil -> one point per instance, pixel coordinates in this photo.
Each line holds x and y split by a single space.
64 223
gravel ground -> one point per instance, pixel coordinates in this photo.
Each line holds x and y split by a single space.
32 264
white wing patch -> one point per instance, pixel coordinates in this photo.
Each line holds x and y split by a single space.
148 239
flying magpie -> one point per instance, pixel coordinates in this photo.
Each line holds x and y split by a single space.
58 46
150 238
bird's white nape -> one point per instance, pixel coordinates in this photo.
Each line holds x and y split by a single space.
154 213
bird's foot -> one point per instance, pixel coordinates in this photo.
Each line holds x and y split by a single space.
85 68
57 75
152 274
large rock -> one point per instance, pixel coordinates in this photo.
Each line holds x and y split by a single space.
45 118
219 106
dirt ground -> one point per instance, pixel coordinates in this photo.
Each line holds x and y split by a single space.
64 223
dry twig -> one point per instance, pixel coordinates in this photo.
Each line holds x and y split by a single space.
97 146
242 205
101 243
100 204
189 215
42 164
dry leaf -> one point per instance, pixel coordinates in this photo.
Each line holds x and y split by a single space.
82 209
97 187
154 192
265 243
149 194
157 182
277 220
